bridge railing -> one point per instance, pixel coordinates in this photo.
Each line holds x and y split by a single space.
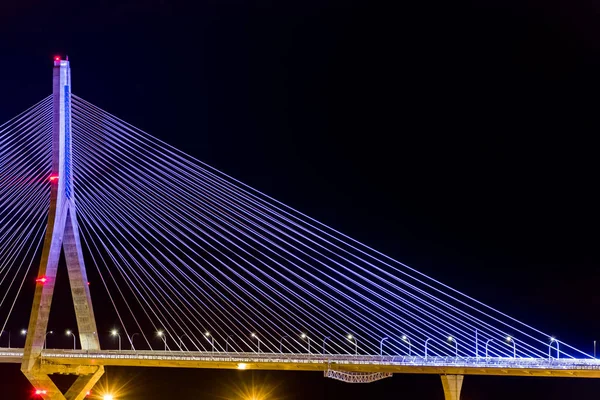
342 359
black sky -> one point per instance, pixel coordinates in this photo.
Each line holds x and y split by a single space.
457 137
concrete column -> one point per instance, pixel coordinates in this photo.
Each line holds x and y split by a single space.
452 385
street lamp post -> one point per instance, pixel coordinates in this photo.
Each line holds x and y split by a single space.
181 341
305 336
207 335
69 332
257 340
510 339
553 340
407 340
114 332
162 335
46 338
451 339
426 340
131 340
351 338
486 347
381 345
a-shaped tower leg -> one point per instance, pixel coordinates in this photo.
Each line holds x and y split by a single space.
452 386
62 233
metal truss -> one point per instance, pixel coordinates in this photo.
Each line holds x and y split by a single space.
356 377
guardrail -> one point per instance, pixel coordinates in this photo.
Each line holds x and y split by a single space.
301 358
340 359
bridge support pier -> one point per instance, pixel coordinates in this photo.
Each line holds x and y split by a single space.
452 386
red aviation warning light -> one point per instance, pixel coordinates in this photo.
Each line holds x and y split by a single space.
42 280
40 392
53 178
56 58
89 393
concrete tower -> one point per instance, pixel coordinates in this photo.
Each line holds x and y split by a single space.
61 233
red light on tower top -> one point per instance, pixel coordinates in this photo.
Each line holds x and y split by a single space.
56 58
42 280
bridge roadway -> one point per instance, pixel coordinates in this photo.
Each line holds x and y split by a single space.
501 366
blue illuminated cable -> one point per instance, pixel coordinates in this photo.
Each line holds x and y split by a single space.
458 300
31 239
42 104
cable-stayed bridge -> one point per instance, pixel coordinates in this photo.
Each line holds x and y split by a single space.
201 271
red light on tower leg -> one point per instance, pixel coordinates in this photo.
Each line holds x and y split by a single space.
42 280
56 58
40 391
53 178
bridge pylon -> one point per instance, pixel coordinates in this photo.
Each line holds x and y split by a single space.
61 233
452 385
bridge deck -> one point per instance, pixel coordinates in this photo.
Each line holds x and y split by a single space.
583 368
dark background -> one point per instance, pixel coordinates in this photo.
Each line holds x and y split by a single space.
457 137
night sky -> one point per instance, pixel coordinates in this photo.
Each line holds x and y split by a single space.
457 137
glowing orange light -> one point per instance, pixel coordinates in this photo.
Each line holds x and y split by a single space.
42 280
52 178
89 393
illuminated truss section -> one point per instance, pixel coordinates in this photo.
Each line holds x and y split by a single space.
356 377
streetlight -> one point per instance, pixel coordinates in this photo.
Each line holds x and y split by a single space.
486 347
257 340
162 335
181 341
451 339
305 336
114 332
553 340
381 345
46 338
69 332
351 338
131 340
407 340
427 340
510 339
207 335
